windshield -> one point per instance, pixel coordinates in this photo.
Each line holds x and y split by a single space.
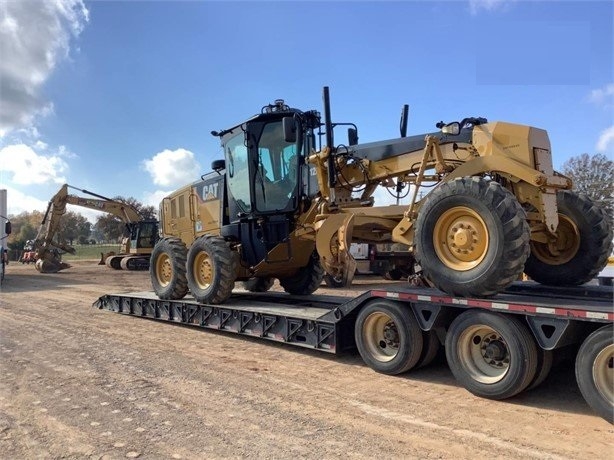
276 169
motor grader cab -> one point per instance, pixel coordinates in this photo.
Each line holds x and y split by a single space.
136 246
280 206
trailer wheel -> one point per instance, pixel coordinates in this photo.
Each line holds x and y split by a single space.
491 355
258 284
430 348
388 337
544 366
472 238
306 280
212 269
167 269
595 371
583 246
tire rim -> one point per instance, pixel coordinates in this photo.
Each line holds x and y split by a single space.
164 270
381 336
484 354
203 270
564 248
603 373
461 238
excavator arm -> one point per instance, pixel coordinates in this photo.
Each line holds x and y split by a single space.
48 258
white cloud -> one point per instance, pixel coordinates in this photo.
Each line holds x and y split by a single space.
605 143
28 167
18 202
475 6
154 198
603 96
172 168
34 37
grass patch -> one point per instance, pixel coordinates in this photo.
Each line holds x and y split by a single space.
90 251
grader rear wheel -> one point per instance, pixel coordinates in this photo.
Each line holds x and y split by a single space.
584 242
168 269
472 238
212 269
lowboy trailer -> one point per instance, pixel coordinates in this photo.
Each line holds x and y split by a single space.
496 348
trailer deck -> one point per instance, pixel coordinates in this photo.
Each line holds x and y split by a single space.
316 321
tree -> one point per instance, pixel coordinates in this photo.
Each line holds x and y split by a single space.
72 227
112 228
594 176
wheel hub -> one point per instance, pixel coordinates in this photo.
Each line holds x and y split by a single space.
484 354
461 238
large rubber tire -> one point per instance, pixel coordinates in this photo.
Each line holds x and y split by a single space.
430 348
472 238
388 337
258 284
212 269
595 371
167 269
545 359
491 355
306 280
585 243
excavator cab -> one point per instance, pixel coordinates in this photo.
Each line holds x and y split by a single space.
143 235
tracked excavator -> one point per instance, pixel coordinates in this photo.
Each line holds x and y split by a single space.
136 245
283 204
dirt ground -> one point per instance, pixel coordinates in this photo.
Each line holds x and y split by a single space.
78 382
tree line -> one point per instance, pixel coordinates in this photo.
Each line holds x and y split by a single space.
75 228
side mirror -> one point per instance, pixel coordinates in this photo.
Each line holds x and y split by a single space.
352 136
218 165
289 129
8 228
452 129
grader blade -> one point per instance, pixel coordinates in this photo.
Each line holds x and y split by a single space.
333 240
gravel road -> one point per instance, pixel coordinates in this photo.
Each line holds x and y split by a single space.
78 382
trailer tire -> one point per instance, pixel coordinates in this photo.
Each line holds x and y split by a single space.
167 269
430 348
595 371
306 280
388 337
545 359
491 355
258 284
472 237
585 242
212 269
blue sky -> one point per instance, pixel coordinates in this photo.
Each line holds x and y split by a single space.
120 97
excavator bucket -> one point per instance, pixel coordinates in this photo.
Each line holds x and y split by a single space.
50 266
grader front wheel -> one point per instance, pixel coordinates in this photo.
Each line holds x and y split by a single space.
472 238
584 242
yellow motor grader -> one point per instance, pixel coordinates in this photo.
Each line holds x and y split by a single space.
281 204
